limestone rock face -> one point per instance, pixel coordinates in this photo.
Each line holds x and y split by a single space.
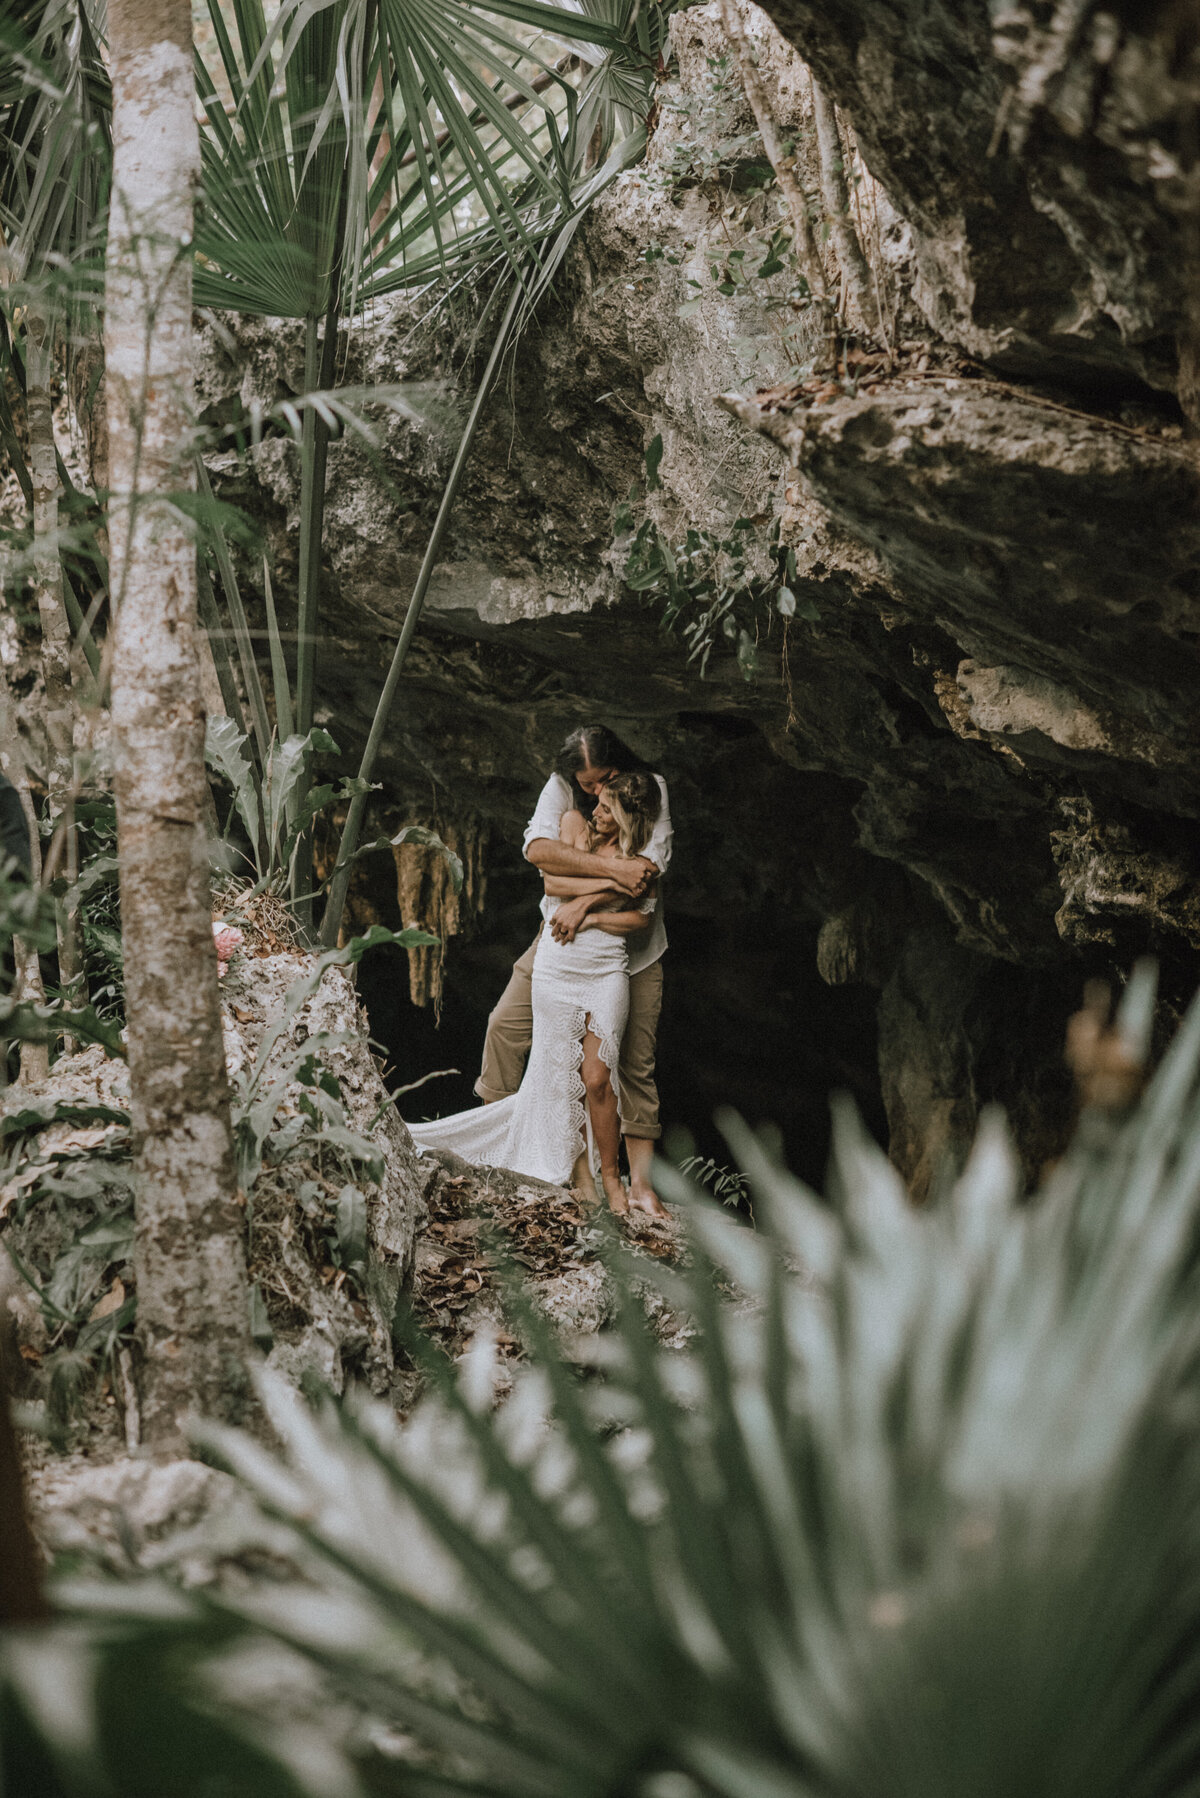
1063 261
963 775
67 1178
319 1325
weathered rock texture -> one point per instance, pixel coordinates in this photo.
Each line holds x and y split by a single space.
70 1175
323 1323
970 778
1063 261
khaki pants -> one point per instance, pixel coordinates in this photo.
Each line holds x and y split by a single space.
510 1032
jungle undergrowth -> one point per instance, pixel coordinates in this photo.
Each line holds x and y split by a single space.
67 1203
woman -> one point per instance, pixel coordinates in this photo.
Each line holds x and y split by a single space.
580 1003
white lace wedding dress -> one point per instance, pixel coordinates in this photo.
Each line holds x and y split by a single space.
542 1128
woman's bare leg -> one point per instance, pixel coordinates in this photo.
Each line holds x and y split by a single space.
606 1121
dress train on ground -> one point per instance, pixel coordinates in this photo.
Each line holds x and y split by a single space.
542 1128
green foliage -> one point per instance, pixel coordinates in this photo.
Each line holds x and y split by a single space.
321 1131
97 898
709 146
370 148
70 1209
725 1183
420 835
31 913
710 588
276 807
55 131
746 254
37 1113
23 1021
26 910
917 1514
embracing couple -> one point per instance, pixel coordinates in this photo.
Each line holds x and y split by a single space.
584 999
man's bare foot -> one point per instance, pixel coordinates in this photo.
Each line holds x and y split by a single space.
642 1197
614 1187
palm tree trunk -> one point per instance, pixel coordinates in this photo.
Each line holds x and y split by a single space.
314 458
27 973
56 632
193 1312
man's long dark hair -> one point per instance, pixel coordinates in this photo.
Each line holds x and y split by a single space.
594 746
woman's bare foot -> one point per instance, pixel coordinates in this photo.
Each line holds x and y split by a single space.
582 1185
614 1187
642 1197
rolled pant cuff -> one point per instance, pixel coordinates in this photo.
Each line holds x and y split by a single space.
489 1094
648 1132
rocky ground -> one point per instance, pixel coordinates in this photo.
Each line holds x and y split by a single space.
443 1242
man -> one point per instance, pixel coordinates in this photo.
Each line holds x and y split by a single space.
589 757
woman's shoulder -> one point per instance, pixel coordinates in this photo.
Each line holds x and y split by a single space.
573 829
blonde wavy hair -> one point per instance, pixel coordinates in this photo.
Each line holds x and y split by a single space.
635 801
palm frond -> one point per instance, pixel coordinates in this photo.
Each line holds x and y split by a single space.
380 144
916 1511
54 146
919 1516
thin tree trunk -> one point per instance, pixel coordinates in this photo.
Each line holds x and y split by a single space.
21 1599
314 459
28 984
803 241
193 1311
27 973
331 923
836 196
48 578
56 632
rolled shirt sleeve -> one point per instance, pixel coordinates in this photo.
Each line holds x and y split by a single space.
662 837
553 800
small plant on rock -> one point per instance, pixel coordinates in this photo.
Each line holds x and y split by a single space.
709 588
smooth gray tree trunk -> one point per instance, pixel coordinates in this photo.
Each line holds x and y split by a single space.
56 632
193 1314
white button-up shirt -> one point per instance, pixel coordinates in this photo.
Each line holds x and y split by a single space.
554 799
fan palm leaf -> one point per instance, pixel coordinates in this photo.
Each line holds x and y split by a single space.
918 1515
915 1511
295 172
54 136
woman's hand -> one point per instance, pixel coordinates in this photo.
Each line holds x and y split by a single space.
571 917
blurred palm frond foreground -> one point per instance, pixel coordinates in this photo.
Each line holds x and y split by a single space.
917 1513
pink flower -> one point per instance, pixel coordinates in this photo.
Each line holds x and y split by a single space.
228 941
